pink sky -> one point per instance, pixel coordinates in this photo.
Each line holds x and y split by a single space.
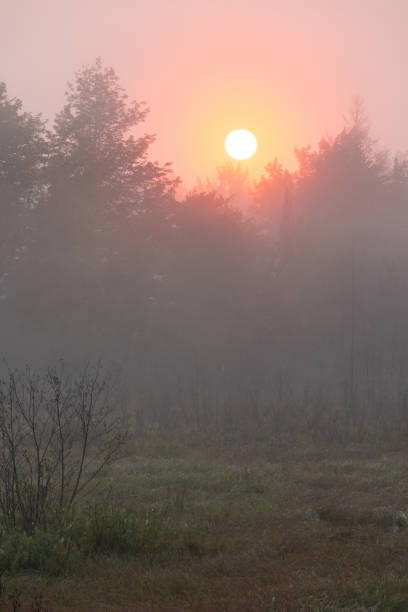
286 70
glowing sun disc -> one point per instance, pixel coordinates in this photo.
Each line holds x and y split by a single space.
241 144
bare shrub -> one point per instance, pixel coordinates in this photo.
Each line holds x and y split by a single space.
57 433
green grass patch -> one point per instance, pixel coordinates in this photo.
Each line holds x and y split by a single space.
197 528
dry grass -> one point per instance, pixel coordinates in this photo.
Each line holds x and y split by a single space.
314 529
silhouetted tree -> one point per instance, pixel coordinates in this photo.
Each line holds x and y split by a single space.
97 162
22 156
232 182
101 187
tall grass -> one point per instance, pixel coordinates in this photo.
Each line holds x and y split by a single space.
98 529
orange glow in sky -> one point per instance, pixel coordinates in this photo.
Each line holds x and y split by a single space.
280 69
214 107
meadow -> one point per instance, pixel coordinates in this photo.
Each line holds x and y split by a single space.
198 523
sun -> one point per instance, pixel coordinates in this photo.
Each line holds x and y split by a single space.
241 144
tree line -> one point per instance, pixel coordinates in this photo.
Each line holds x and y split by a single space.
291 286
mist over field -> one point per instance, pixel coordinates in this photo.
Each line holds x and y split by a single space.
242 289
203 361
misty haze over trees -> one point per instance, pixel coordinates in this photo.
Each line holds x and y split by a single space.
281 301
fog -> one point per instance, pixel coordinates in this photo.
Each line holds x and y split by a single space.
280 299
267 293
203 361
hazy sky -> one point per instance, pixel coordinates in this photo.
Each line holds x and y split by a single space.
285 69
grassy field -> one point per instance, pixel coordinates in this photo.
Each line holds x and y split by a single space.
238 526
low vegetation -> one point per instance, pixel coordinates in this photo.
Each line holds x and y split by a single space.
190 523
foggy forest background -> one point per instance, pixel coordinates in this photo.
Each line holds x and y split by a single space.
279 302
